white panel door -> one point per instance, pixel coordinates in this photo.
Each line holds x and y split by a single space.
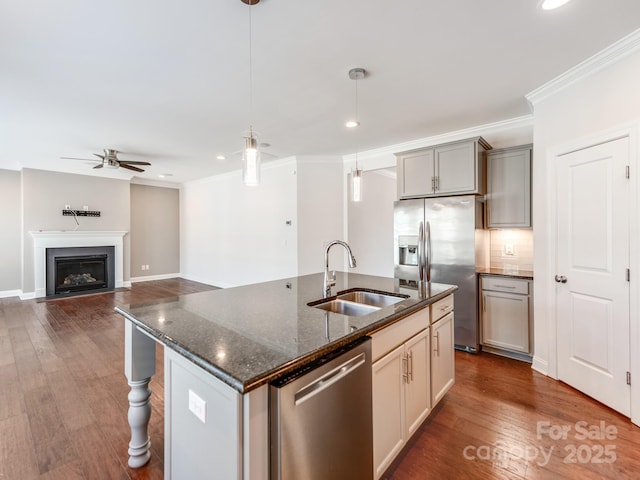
592 294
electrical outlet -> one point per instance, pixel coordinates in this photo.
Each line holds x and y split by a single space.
85 208
197 406
141 267
508 249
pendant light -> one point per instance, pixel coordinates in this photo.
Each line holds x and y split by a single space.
251 151
356 175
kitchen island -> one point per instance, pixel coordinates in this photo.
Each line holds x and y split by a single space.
233 343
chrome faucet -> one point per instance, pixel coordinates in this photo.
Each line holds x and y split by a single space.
330 279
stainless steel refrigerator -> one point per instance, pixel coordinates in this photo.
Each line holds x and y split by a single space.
442 240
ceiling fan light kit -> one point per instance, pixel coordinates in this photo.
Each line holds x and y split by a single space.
110 159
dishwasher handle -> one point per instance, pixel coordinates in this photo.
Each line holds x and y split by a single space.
328 379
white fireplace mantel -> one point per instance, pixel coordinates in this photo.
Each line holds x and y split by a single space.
43 239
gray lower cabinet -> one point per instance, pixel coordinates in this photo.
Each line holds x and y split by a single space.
442 349
455 168
509 187
506 315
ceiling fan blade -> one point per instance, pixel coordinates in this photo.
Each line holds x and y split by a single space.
128 167
99 156
100 165
129 162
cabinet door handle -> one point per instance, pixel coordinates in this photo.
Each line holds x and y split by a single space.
484 303
405 368
410 369
437 345
433 184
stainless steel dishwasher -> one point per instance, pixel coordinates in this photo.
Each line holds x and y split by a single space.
321 423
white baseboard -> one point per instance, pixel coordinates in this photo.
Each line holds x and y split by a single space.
148 278
10 293
540 365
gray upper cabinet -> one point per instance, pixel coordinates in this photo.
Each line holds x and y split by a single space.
509 187
455 168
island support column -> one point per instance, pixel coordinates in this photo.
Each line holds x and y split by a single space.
139 367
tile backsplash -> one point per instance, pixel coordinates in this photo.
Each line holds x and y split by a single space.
512 248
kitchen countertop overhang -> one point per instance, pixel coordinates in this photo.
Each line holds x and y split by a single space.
506 272
250 335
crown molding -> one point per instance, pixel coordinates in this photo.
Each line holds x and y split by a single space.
486 129
612 54
154 183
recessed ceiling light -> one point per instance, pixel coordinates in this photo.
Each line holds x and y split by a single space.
220 157
164 175
351 124
552 4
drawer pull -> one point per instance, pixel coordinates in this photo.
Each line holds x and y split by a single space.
505 286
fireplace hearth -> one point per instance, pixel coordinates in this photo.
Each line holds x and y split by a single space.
78 270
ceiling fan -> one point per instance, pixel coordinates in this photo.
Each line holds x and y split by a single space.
110 158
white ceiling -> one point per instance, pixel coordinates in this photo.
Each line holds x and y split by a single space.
167 81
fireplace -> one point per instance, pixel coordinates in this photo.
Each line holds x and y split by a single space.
76 270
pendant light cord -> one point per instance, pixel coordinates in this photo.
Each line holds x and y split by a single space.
357 120
250 74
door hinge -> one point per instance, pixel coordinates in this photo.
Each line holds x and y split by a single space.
628 378
628 275
627 171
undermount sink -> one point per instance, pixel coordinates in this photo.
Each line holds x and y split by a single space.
358 302
371 298
347 308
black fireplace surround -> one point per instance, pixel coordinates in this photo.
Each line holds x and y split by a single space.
77 270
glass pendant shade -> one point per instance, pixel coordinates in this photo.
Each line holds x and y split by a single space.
251 162
356 185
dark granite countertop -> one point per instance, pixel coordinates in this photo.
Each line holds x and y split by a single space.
506 272
250 335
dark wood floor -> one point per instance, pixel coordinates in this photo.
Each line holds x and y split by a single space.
63 406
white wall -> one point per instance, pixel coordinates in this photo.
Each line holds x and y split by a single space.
606 100
371 223
233 235
320 213
10 233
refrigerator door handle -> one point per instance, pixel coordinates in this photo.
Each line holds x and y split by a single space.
428 248
421 251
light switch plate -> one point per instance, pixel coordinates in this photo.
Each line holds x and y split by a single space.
197 406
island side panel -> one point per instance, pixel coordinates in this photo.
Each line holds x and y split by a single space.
139 367
203 423
256 434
